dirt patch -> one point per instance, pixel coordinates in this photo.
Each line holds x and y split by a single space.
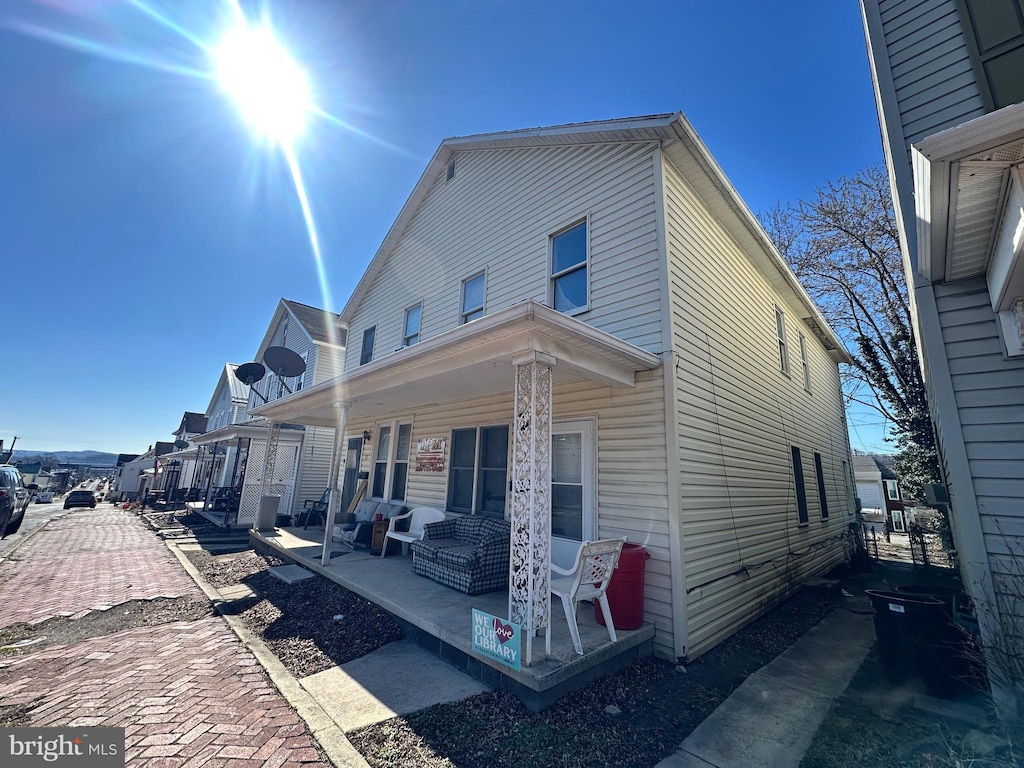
658 705
64 631
297 622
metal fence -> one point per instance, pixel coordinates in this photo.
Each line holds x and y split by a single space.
919 545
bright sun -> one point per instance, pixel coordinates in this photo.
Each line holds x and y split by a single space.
268 86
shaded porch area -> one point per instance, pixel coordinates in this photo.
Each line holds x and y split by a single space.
438 619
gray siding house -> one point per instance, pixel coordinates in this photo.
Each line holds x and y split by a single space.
949 76
235 443
605 343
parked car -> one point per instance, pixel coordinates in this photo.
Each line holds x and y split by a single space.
44 497
14 499
80 499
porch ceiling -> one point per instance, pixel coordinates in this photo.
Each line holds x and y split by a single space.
962 178
254 428
474 360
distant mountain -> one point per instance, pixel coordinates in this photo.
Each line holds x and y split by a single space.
92 458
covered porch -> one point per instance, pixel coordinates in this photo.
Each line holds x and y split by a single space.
521 352
439 619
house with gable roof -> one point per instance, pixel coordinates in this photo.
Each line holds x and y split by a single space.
231 452
594 333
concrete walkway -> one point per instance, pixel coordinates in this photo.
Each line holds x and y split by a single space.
771 719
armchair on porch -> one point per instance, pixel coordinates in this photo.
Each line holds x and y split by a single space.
586 580
417 518
356 528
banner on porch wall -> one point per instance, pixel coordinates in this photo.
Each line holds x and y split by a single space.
496 639
430 454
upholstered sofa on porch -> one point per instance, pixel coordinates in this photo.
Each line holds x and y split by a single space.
468 553
356 528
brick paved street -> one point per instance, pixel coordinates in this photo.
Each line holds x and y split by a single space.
188 693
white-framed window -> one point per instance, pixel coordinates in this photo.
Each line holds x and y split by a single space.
570 282
473 292
801 489
297 383
805 366
391 450
780 333
892 490
478 470
366 351
449 173
411 331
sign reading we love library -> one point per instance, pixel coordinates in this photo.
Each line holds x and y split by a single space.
496 638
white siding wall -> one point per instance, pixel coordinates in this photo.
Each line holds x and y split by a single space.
935 85
989 391
497 214
223 411
737 417
632 497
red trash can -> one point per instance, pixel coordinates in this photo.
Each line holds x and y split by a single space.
626 589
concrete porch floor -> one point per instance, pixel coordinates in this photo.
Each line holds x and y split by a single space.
438 619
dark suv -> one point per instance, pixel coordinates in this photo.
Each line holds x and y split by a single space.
14 498
80 499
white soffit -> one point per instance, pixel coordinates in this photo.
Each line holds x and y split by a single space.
981 187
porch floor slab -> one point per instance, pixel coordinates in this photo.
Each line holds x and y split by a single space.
398 679
439 619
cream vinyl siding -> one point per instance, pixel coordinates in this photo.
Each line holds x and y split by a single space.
223 411
737 417
497 214
314 465
632 497
989 391
935 85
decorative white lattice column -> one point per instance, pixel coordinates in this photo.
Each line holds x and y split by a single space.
270 457
334 500
530 556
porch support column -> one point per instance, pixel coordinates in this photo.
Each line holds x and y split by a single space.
530 555
270 457
334 500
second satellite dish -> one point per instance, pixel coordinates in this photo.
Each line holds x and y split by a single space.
286 363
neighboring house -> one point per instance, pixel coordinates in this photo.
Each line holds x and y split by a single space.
878 488
181 465
234 445
115 476
138 475
29 471
948 77
599 339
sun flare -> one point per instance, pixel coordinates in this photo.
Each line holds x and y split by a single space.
268 86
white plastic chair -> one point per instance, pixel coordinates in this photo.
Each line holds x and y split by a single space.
420 516
587 580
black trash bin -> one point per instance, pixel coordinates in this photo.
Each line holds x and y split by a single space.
951 657
903 623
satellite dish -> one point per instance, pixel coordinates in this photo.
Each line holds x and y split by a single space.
250 373
181 444
285 362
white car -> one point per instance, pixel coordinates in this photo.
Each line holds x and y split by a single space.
44 498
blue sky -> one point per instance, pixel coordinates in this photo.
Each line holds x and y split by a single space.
147 236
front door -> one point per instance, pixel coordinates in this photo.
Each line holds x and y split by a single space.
573 511
353 456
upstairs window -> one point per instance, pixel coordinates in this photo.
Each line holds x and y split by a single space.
450 172
780 332
412 325
366 353
804 364
892 490
472 299
569 282
994 30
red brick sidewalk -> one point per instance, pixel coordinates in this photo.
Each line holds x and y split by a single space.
188 694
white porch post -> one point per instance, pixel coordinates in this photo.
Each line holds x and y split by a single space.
530 556
334 500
